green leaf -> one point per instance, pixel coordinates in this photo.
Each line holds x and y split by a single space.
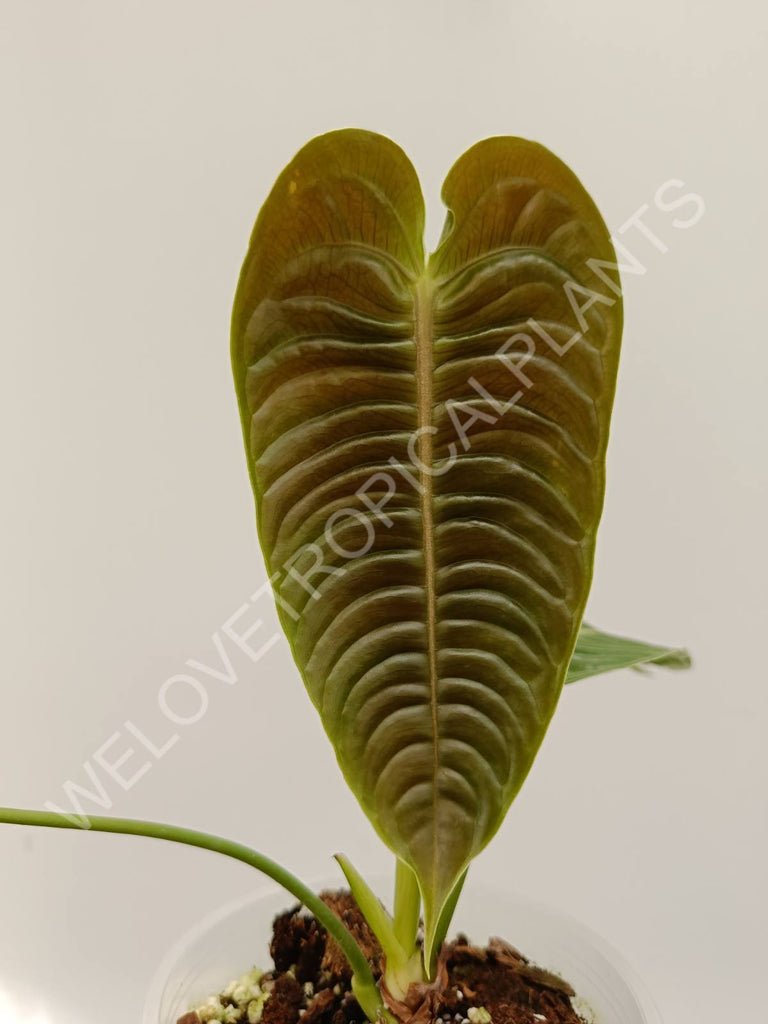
372 909
403 966
598 652
426 444
434 941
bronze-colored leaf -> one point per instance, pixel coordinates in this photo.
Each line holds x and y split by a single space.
426 443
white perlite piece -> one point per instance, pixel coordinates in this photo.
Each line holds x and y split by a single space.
479 1015
212 1009
584 1010
243 1001
255 1009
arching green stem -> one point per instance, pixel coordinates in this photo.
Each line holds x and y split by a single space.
364 985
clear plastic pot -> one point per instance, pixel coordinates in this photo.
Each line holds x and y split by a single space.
235 938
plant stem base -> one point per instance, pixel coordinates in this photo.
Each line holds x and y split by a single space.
311 982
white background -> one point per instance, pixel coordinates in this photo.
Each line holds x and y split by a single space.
139 141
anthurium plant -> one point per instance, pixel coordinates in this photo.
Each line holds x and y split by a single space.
426 440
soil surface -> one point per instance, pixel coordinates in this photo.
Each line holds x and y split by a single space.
311 982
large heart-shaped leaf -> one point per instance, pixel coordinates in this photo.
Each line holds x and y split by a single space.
426 444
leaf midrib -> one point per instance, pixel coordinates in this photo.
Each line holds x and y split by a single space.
423 311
